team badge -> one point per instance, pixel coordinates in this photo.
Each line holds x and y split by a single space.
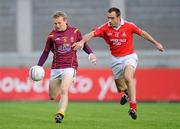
72 39
123 34
65 39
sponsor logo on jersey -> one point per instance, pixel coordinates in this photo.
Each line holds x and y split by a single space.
123 40
118 41
64 48
115 41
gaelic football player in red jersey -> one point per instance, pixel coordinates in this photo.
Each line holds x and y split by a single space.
118 34
64 65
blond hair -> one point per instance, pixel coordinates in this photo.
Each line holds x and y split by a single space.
59 14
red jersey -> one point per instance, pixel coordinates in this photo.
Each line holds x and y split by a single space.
120 40
60 43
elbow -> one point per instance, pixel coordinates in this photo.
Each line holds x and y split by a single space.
144 34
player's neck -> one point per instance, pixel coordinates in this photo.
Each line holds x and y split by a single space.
117 25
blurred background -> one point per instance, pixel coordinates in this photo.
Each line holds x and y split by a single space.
25 24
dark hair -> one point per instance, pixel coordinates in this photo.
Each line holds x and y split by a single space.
116 10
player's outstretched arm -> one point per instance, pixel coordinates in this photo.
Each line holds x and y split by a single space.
148 37
86 38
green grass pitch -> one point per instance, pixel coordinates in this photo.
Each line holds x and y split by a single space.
89 115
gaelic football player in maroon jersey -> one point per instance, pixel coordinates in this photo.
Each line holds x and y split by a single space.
118 34
64 65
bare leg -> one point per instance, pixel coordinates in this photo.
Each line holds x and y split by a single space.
67 81
121 84
131 82
122 87
54 88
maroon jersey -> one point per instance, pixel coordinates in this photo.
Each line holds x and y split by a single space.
60 43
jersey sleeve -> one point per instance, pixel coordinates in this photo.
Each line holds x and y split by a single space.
79 35
47 49
136 29
49 45
99 32
86 47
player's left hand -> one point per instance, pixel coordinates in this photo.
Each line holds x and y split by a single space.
78 45
159 47
92 58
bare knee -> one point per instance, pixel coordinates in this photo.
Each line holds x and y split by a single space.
129 75
52 94
121 86
130 80
63 92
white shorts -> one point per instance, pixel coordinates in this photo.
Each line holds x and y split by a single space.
58 73
119 64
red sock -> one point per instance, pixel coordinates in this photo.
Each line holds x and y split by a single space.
133 105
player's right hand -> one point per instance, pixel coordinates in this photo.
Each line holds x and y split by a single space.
92 58
78 45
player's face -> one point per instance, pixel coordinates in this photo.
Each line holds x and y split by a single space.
113 19
60 23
